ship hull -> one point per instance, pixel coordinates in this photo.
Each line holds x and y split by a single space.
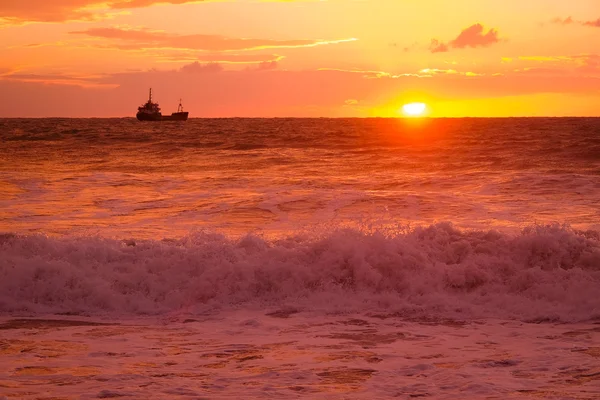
179 116
142 116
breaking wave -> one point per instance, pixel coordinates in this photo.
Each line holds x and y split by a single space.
543 273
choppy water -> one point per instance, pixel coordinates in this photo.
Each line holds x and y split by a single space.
460 217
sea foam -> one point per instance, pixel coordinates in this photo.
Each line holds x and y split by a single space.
543 273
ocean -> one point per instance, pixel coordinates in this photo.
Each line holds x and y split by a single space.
300 258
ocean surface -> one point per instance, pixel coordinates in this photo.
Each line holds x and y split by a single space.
302 258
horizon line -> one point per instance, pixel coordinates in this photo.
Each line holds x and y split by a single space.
324 117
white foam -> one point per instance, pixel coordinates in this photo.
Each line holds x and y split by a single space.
549 272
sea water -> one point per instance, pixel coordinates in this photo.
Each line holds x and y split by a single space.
305 258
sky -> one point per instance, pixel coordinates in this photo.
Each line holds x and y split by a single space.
300 58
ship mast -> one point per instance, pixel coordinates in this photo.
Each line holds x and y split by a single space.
180 108
150 97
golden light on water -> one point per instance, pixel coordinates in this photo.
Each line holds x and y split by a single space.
414 109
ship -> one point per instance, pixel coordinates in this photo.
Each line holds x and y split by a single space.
151 112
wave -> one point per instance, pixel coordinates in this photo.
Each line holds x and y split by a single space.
542 273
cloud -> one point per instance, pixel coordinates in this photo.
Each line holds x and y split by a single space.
219 58
373 74
542 71
546 58
165 54
24 11
565 21
213 67
135 39
197 68
265 93
595 24
438 47
116 4
474 74
86 81
571 21
267 65
473 36
16 12
435 71
579 60
406 49
579 65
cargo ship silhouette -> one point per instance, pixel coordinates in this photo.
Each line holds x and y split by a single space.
151 112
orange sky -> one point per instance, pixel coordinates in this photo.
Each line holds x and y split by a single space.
357 58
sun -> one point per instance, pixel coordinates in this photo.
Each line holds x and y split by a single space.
414 109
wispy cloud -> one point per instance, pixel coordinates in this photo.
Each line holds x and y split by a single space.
132 39
579 60
573 65
15 12
437 71
595 24
563 21
220 58
373 74
570 21
87 81
25 11
473 36
423 73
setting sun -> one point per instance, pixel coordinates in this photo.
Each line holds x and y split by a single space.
414 109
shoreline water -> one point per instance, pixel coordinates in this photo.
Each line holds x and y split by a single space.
257 355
